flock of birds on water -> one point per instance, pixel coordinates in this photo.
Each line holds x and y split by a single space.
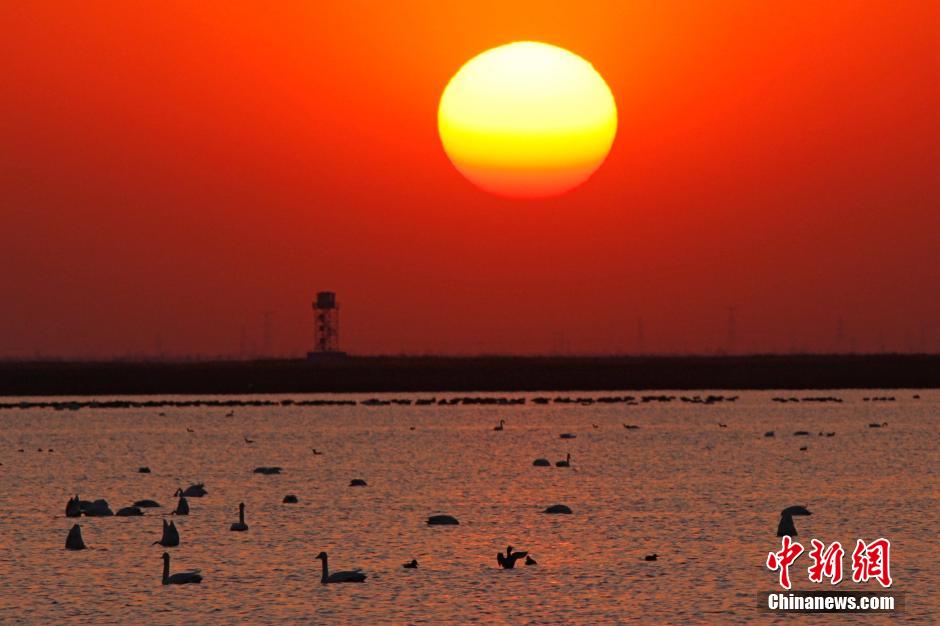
170 538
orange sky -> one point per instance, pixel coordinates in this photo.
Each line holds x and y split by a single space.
174 169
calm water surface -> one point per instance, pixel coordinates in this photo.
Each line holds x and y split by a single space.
706 499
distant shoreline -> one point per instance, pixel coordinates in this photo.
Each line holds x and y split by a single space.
464 374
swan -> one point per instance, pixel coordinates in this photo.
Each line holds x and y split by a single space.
182 507
541 463
442 520
786 526
193 491
129 511
413 564
500 427
181 578
530 561
74 540
240 525
289 499
357 482
558 508
171 536
565 463
147 504
98 508
73 508
339 577
509 561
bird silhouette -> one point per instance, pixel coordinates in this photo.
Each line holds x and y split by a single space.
354 576
181 578
786 526
509 561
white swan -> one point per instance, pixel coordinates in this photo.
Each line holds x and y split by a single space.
339 577
240 525
181 578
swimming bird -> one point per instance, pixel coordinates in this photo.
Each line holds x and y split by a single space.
98 508
190 430
786 526
769 433
146 504
357 482
289 499
530 561
315 451
801 433
240 525
267 470
500 427
804 448
171 536
143 470
541 463
595 425
442 520
180 578
193 491
129 511
247 440
182 507
339 577
630 426
558 509
565 463
74 540
650 557
509 561
73 508
567 436
720 425
413 564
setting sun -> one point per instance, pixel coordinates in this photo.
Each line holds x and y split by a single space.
527 119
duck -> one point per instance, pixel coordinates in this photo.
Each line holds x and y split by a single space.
769 433
240 525
541 463
171 536
143 470
147 504
786 526
193 491
804 448
289 499
556 509
412 564
74 541
509 561
267 470
338 577
630 426
182 507
567 436
500 426
530 561
443 520
180 578
357 482
720 425
650 557
190 430
565 463
316 452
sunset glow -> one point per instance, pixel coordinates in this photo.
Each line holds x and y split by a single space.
527 120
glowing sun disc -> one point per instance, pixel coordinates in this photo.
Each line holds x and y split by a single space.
527 120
